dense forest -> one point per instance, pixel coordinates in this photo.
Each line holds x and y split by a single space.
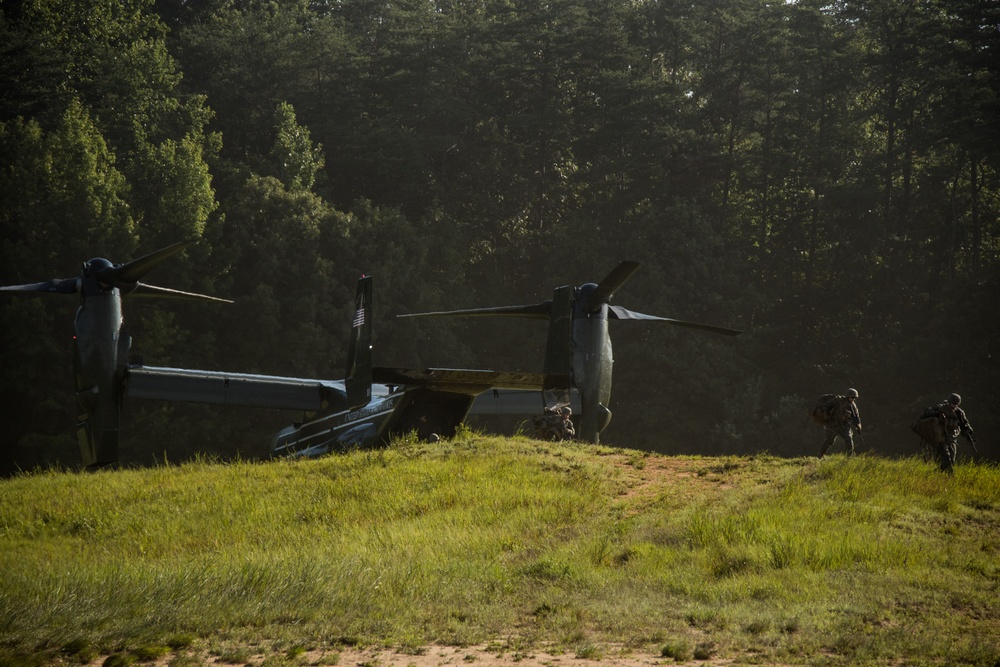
822 175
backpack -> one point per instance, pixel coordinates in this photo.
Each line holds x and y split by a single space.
939 414
827 409
932 411
929 427
934 423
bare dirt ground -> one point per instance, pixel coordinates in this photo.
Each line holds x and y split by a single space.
483 656
448 656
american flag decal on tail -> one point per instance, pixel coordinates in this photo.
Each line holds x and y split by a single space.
359 318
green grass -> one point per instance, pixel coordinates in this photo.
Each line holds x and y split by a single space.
481 539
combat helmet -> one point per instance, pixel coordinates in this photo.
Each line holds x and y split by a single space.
852 392
954 399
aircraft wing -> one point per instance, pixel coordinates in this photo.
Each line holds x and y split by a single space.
464 381
239 389
520 402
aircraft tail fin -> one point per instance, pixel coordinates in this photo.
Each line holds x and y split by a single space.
359 361
559 346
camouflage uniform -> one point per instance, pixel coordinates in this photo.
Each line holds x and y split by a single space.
844 420
940 425
555 424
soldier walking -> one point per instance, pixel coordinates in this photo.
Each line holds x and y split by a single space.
555 424
843 419
940 425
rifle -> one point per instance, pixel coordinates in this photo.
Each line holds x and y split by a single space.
972 441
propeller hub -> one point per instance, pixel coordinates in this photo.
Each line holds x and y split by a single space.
96 266
99 273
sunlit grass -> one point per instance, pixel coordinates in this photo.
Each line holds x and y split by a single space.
842 561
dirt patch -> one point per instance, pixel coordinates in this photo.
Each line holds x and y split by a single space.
443 656
481 656
647 476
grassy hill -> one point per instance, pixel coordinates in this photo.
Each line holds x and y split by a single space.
514 543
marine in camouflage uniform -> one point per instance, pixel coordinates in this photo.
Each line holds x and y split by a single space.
844 421
555 424
940 425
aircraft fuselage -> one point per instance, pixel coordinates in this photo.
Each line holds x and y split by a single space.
393 411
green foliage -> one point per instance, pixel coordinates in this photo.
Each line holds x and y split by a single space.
824 176
61 191
119 660
296 159
174 190
151 652
680 651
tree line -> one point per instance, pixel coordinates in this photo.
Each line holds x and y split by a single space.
822 175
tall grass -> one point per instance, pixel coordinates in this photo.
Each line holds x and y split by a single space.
839 561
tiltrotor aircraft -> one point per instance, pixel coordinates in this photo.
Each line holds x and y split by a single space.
101 342
579 345
337 413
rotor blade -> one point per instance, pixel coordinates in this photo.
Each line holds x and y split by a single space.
537 311
619 313
57 285
142 289
607 287
135 270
